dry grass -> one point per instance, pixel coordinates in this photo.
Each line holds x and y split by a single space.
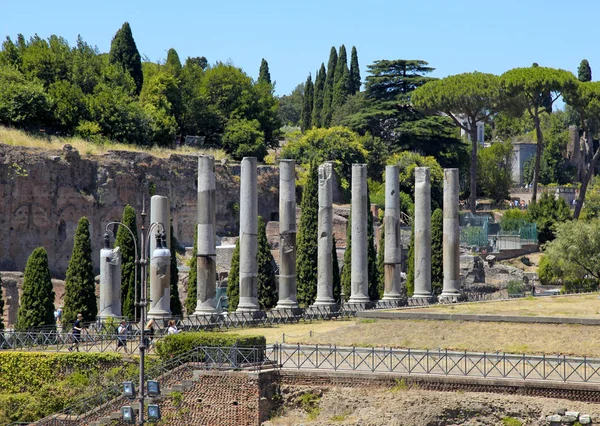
294 333
15 137
585 306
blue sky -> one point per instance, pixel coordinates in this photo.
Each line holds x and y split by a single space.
453 36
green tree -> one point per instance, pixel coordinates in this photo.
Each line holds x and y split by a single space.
341 81
355 82
395 80
23 103
264 76
267 286
346 277
243 138
437 265
375 288
37 300
381 259
307 243
319 93
175 301
336 280
1 305
327 110
233 280
584 72
124 52
534 90
173 62
494 170
290 107
126 243
80 285
410 267
307 105
192 284
468 99
547 213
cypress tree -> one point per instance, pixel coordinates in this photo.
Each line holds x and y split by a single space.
1 305
233 280
584 73
372 272
354 72
318 97
267 286
126 244
327 112
341 81
337 283
124 52
437 266
175 302
173 63
264 76
80 285
192 284
410 268
346 278
381 260
37 301
306 260
307 105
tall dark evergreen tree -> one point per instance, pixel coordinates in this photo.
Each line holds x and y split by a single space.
1 305
341 81
125 242
306 260
337 282
124 52
37 301
381 259
354 72
327 110
373 272
233 280
437 265
307 105
346 277
80 285
267 285
264 76
410 267
173 62
319 92
175 302
584 72
192 284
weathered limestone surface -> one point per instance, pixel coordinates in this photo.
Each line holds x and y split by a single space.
110 283
422 233
160 258
325 232
248 237
392 257
206 244
451 235
287 235
359 274
44 193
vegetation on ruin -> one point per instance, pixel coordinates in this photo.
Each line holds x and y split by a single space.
125 241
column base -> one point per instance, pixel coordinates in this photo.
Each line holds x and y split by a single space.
450 297
286 304
248 304
247 315
324 302
285 312
391 303
420 300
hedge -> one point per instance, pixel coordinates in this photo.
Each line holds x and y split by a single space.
175 345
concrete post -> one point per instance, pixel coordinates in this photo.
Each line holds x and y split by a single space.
287 235
160 276
206 222
110 281
422 223
451 238
248 237
392 257
325 238
359 270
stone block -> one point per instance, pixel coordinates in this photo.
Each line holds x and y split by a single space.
568 420
585 419
572 414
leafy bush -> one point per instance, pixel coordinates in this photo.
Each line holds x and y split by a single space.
512 219
547 213
515 287
548 272
580 285
178 344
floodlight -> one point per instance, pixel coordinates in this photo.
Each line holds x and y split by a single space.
153 413
129 389
153 388
128 414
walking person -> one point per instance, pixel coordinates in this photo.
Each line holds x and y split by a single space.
172 328
149 334
122 336
76 333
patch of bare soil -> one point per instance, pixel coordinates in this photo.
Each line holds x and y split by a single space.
414 407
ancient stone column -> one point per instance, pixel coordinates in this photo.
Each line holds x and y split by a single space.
359 276
110 281
422 224
206 223
451 238
287 235
325 241
392 257
248 237
160 273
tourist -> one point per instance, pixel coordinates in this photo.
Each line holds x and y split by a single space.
149 333
172 328
76 333
122 336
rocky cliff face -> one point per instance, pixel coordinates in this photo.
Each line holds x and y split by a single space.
44 193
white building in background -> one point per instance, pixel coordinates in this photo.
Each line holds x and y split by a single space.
480 129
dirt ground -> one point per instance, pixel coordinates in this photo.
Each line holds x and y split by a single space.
404 406
534 258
